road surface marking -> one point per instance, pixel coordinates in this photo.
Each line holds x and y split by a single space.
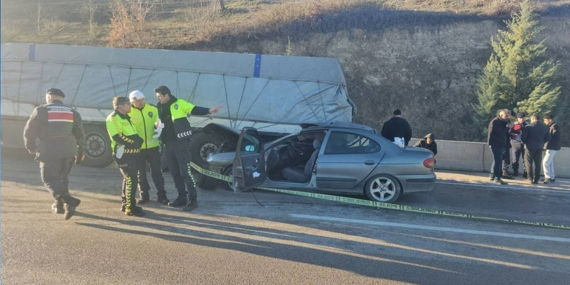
431 228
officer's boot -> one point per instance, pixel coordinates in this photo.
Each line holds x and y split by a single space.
57 207
191 205
134 211
179 201
69 206
161 198
123 204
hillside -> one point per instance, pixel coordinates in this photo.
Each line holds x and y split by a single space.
180 22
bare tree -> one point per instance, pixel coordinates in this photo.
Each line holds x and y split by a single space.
128 24
90 8
39 17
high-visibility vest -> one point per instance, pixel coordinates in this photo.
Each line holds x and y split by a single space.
179 110
143 120
119 124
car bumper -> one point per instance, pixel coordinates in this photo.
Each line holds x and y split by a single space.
418 183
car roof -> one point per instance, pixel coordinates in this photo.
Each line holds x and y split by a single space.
337 125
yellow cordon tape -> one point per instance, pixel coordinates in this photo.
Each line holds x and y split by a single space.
388 206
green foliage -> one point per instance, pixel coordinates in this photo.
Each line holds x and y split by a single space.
518 76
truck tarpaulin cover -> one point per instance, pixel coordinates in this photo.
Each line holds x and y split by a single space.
264 88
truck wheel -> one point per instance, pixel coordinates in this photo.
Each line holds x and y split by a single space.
97 147
202 145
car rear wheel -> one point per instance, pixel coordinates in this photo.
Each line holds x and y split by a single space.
383 188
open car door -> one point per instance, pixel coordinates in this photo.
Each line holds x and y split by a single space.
249 162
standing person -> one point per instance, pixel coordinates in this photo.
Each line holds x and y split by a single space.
54 135
397 127
126 144
517 147
428 142
176 137
552 147
534 136
507 154
498 132
144 117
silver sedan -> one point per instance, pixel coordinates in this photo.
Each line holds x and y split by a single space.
336 158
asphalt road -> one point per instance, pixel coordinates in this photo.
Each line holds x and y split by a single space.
253 238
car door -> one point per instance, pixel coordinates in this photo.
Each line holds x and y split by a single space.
346 159
249 162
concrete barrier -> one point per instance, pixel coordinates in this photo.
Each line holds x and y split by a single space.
477 156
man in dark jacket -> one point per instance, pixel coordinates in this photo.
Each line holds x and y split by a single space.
59 131
428 142
176 136
552 147
498 134
397 127
534 136
517 148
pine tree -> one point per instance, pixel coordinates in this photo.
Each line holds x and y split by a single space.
518 76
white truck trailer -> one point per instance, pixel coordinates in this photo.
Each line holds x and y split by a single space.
275 94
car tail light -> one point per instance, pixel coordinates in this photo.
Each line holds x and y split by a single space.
429 163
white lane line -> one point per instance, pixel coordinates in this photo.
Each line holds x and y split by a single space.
507 187
431 228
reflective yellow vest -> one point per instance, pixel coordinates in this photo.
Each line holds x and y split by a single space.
179 110
122 131
144 120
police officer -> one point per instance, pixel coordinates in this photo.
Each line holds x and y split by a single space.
176 137
126 144
54 135
144 117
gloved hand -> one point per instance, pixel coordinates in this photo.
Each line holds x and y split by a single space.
119 151
158 126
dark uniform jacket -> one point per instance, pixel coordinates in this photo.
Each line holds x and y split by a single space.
177 126
498 133
54 131
554 132
535 135
397 127
423 144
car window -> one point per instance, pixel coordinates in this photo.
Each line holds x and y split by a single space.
348 143
250 143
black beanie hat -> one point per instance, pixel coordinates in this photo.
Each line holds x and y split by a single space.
119 100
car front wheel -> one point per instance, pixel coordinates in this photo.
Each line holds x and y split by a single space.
383 188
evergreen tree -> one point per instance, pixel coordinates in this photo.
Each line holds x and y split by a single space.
518 76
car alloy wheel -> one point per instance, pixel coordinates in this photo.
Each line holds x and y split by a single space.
383 188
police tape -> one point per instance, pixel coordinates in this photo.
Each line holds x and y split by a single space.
387 206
